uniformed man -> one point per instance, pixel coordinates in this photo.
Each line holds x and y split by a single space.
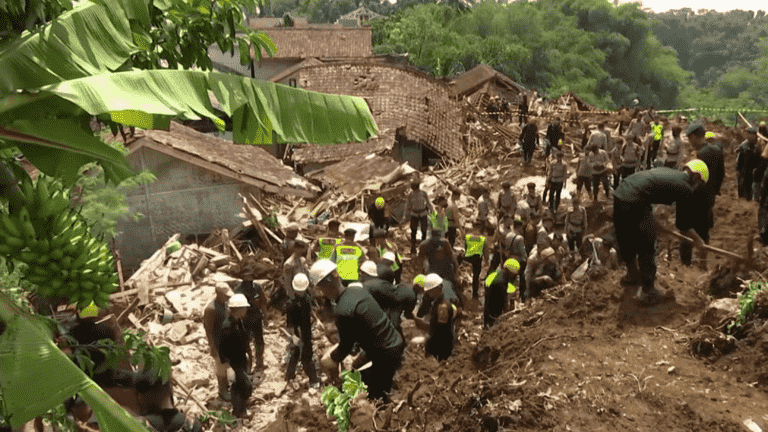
556 178
483 210
254 321
674 150
380 220
598 138
747 159
636 225
359 319
442 303
347 256
576 225
327 243
298 319
657 131
475 253
535 205
418 208
387 251
291 235
384 292
599 164
438 257
454 217
546 273
507 204
438 219
498 285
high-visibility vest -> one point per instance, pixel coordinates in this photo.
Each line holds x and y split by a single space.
441 224
658 131
491 277
348 262
382 251
326 247
475 245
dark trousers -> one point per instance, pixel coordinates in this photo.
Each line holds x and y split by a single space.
575 241
477 264
496 261
441 340
757 178
254 323
652 152
597 179
451 235
584 181
419 222
528 149
745 180
636 238
303 352
537 285
625 172
555 188
380 375
495 302
241 391
552 145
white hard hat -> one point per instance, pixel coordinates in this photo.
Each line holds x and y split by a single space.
320 270
369 268
389 256
300 282
432 281
238 301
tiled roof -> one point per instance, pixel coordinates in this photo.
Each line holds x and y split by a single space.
291 70
320 42
351 175
259 23
421 106
473 79
331 153
246 163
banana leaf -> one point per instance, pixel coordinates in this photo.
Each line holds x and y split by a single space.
89 40
37 376
258 108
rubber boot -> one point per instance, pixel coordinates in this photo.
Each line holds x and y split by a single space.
653 295
224 388
632 278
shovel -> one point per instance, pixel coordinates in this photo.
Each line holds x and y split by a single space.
740 259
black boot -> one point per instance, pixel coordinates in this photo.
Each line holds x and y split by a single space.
632 278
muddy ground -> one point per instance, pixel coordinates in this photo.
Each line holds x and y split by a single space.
582 357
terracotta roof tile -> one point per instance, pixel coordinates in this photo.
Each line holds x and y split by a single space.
473 79
331 153
319 42
348 176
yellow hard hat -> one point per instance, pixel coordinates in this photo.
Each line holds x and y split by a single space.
709 135
380 202
698 166
419 280
512 265
90 311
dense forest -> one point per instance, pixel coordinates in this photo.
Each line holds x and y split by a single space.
607 54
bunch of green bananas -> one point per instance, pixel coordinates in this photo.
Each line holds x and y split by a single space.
53 240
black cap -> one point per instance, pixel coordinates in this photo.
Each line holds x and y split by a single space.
350 231
695 129
531 185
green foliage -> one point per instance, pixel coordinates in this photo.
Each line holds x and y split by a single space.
103 204
57 418
271 221
13 284
222 417
19 15
603 53
337 401
747 301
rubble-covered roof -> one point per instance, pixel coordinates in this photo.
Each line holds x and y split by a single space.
317 153
583 106
471 80
249 164
421 107
352 174
320 42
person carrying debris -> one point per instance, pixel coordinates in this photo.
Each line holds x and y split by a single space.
702 202
636 226
576 225
507 204
556 178
359 319
298 319
529 139
347 256
599 165
418 207
747 159
674 150
554 135
546 273
442 304
328 243
380 221
498 285
475 252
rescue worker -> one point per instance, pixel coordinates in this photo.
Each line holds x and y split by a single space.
554 135
384 292
598 138
454 217
484 210
254 317
298 319
576 225
380 221
636 225
535 205
507 204
359 320
214 316
657 133
546 274
387 251
523 109
328 243
295 264
498 285
438 220
599 165
747 159
235 351
674 150
347 256
438 257
556 178
762 162
529 139
637 128
418 207
442 303
697 211
291 235
630 157
583 175
475 253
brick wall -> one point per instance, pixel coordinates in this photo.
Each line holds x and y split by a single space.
397 98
